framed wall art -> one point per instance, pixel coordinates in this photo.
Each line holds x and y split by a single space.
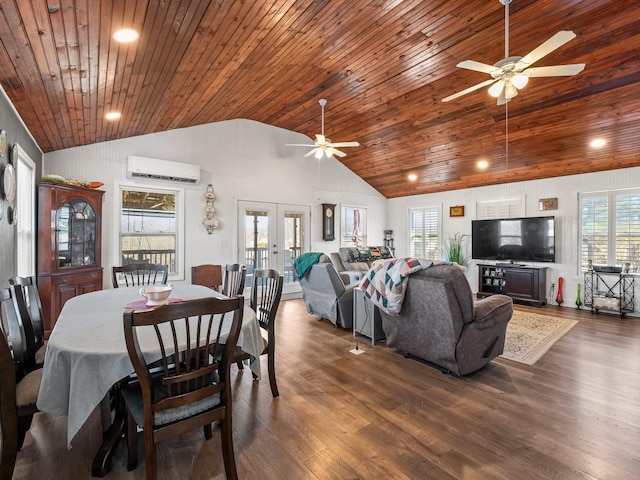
548 204
456 211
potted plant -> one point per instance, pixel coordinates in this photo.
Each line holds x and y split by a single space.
453 250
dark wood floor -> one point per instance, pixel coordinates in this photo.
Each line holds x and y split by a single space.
575 414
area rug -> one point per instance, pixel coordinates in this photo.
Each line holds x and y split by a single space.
530 335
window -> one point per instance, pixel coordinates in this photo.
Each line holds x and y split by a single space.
26 218
424 228
151 227
496 209
610 228
354 227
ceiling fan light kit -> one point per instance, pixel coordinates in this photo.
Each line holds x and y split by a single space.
324 145
512 73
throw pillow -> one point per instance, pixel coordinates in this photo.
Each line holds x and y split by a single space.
364 254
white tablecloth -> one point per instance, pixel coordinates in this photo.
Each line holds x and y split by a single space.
87 355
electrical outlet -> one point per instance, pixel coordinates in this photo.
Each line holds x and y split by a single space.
553 285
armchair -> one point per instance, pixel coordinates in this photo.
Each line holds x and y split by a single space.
326 295
440 322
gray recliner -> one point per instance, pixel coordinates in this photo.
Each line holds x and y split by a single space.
439 321
326 295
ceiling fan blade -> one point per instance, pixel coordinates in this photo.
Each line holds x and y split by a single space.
335 151
311 152
554 71
469 90
320 138
502 98
545 48
477 66
345 144
299 145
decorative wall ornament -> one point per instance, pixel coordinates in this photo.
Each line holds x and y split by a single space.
209 222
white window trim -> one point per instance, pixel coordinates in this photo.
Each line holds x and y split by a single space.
180 222
30 223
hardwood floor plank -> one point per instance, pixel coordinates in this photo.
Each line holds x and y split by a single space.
575 414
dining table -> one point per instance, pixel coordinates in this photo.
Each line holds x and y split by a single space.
87 356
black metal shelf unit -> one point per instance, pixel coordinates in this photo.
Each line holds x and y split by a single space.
609 291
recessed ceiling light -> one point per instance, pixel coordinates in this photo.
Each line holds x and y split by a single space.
482 164
412 177
125 35
598 142
113 115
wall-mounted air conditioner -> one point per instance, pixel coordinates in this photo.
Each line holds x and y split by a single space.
152 168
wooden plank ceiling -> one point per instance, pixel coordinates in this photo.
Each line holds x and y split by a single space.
383 66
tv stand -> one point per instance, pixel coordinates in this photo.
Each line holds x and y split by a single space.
524 284
510 264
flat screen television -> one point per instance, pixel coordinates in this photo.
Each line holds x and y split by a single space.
530 239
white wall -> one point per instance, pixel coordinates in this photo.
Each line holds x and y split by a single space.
243 160
247 160
566 189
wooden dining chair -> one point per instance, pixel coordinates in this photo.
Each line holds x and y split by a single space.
18 329
135 274
207 275
235 276
18 388
33 305
192 387
266 291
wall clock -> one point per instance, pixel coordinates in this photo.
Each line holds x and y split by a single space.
328 221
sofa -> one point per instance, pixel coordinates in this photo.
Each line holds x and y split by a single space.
326 295
439 321
354 262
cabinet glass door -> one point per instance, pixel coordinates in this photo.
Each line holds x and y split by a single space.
76 234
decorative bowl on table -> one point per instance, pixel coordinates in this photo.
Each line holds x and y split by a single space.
157 295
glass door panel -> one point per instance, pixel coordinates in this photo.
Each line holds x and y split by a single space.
76 234
272 236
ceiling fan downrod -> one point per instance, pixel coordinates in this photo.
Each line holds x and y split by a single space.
323 102
506 26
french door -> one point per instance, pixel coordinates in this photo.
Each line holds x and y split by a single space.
272 235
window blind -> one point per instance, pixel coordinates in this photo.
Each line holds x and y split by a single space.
424 225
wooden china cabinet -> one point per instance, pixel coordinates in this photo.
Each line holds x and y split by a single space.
69 245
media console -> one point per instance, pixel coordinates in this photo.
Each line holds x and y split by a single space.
523 284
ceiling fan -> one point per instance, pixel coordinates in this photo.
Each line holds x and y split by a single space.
512 73
323 144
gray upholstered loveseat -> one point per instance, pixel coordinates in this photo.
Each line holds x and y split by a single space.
354 262
440 322
326 295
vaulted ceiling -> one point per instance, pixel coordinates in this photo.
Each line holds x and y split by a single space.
383 65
